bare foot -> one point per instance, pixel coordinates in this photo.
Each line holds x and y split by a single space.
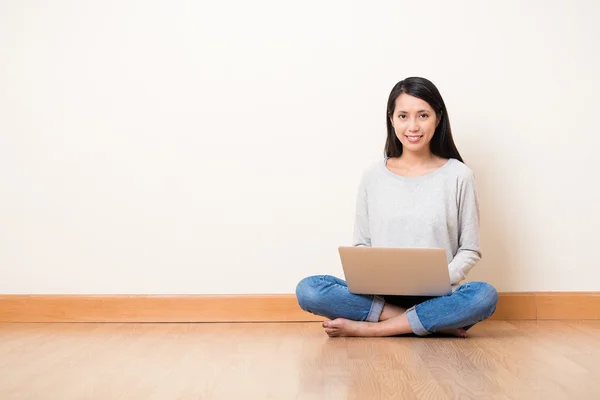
347 327
454 332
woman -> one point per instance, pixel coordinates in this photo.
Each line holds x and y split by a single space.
420 195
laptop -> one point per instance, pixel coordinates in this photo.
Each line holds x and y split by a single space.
396 271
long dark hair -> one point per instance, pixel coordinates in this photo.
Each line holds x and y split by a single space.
442 144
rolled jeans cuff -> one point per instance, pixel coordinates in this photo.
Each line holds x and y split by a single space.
376 309
415 323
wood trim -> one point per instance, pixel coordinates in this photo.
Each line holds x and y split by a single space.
515 306
252 308
568 305
152 308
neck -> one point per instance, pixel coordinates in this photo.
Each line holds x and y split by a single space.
417 159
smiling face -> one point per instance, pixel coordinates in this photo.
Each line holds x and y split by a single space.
414 122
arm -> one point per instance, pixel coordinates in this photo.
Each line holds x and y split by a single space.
362 234
468 253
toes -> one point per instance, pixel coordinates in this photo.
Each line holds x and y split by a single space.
460 333
332 332
454 332
329 323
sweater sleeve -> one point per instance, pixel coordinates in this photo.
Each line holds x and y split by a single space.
469 252
362 234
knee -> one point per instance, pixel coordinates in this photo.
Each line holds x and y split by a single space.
485 298
307 292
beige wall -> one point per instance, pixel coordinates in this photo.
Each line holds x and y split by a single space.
215 147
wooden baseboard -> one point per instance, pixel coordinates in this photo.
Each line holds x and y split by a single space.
252 308
152 308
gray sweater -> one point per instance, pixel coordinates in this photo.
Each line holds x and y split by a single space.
439 209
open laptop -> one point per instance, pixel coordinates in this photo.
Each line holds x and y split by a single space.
396 271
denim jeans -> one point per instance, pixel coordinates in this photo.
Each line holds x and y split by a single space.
469 304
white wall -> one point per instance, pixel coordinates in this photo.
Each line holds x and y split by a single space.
215 147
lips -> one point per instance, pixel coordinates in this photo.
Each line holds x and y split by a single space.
413 138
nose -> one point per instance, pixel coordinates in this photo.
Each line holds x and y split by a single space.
413 126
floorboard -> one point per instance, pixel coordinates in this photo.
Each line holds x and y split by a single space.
499 360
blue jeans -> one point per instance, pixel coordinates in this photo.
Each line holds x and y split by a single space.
469 304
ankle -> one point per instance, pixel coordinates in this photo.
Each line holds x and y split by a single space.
390 311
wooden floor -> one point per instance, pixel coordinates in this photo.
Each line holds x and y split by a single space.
500 360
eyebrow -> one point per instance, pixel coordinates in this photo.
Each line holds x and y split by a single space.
420 111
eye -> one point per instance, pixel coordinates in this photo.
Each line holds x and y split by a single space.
424 116
402 116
